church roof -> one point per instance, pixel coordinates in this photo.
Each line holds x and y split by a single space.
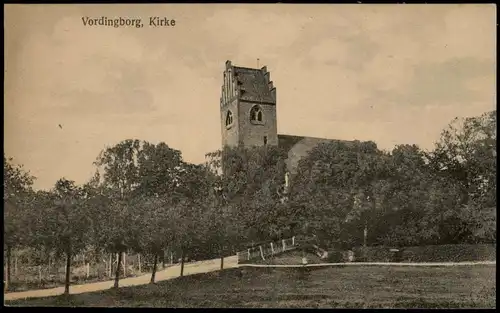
254 84
299 147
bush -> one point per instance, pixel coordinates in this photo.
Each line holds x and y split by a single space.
437 253
451 253
372 254
336 257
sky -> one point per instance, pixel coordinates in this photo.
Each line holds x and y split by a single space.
393 74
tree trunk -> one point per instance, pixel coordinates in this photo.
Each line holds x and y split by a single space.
9 274
68 272
182 262
153 274
163 260
221 261
117 273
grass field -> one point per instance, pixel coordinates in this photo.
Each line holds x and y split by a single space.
329 287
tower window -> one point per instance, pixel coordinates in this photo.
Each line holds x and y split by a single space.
256 114
229 118
265 140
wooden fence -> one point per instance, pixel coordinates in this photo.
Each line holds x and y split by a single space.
262 252
25 269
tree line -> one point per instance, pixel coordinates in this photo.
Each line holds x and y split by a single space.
145 198
348 194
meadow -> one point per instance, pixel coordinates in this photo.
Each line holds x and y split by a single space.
322 287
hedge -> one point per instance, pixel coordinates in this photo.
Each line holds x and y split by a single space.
437 253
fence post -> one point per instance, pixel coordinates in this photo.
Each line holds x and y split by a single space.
15 264
110 264
139 261
124 264
272 248
284 245
293 241
88 270
261 252
248 257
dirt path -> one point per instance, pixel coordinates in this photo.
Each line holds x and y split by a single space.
168 273
401 264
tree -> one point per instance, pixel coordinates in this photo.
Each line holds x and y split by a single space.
98 199
143 179
154 225
181 188
407 193
71 221
221 231
17 194
158 167
338 184
119 165
119 229
62 224
192 191
466 152
465 157
250 189
369 186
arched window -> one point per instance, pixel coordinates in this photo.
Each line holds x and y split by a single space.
256 114
229 118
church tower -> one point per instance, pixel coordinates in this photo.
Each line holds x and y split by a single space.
248 107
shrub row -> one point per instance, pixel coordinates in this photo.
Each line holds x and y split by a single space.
437 253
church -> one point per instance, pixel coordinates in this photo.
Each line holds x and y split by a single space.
248 115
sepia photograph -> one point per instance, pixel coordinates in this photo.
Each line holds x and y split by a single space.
250 155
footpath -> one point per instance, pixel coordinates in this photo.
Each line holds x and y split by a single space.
398 264
168 273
